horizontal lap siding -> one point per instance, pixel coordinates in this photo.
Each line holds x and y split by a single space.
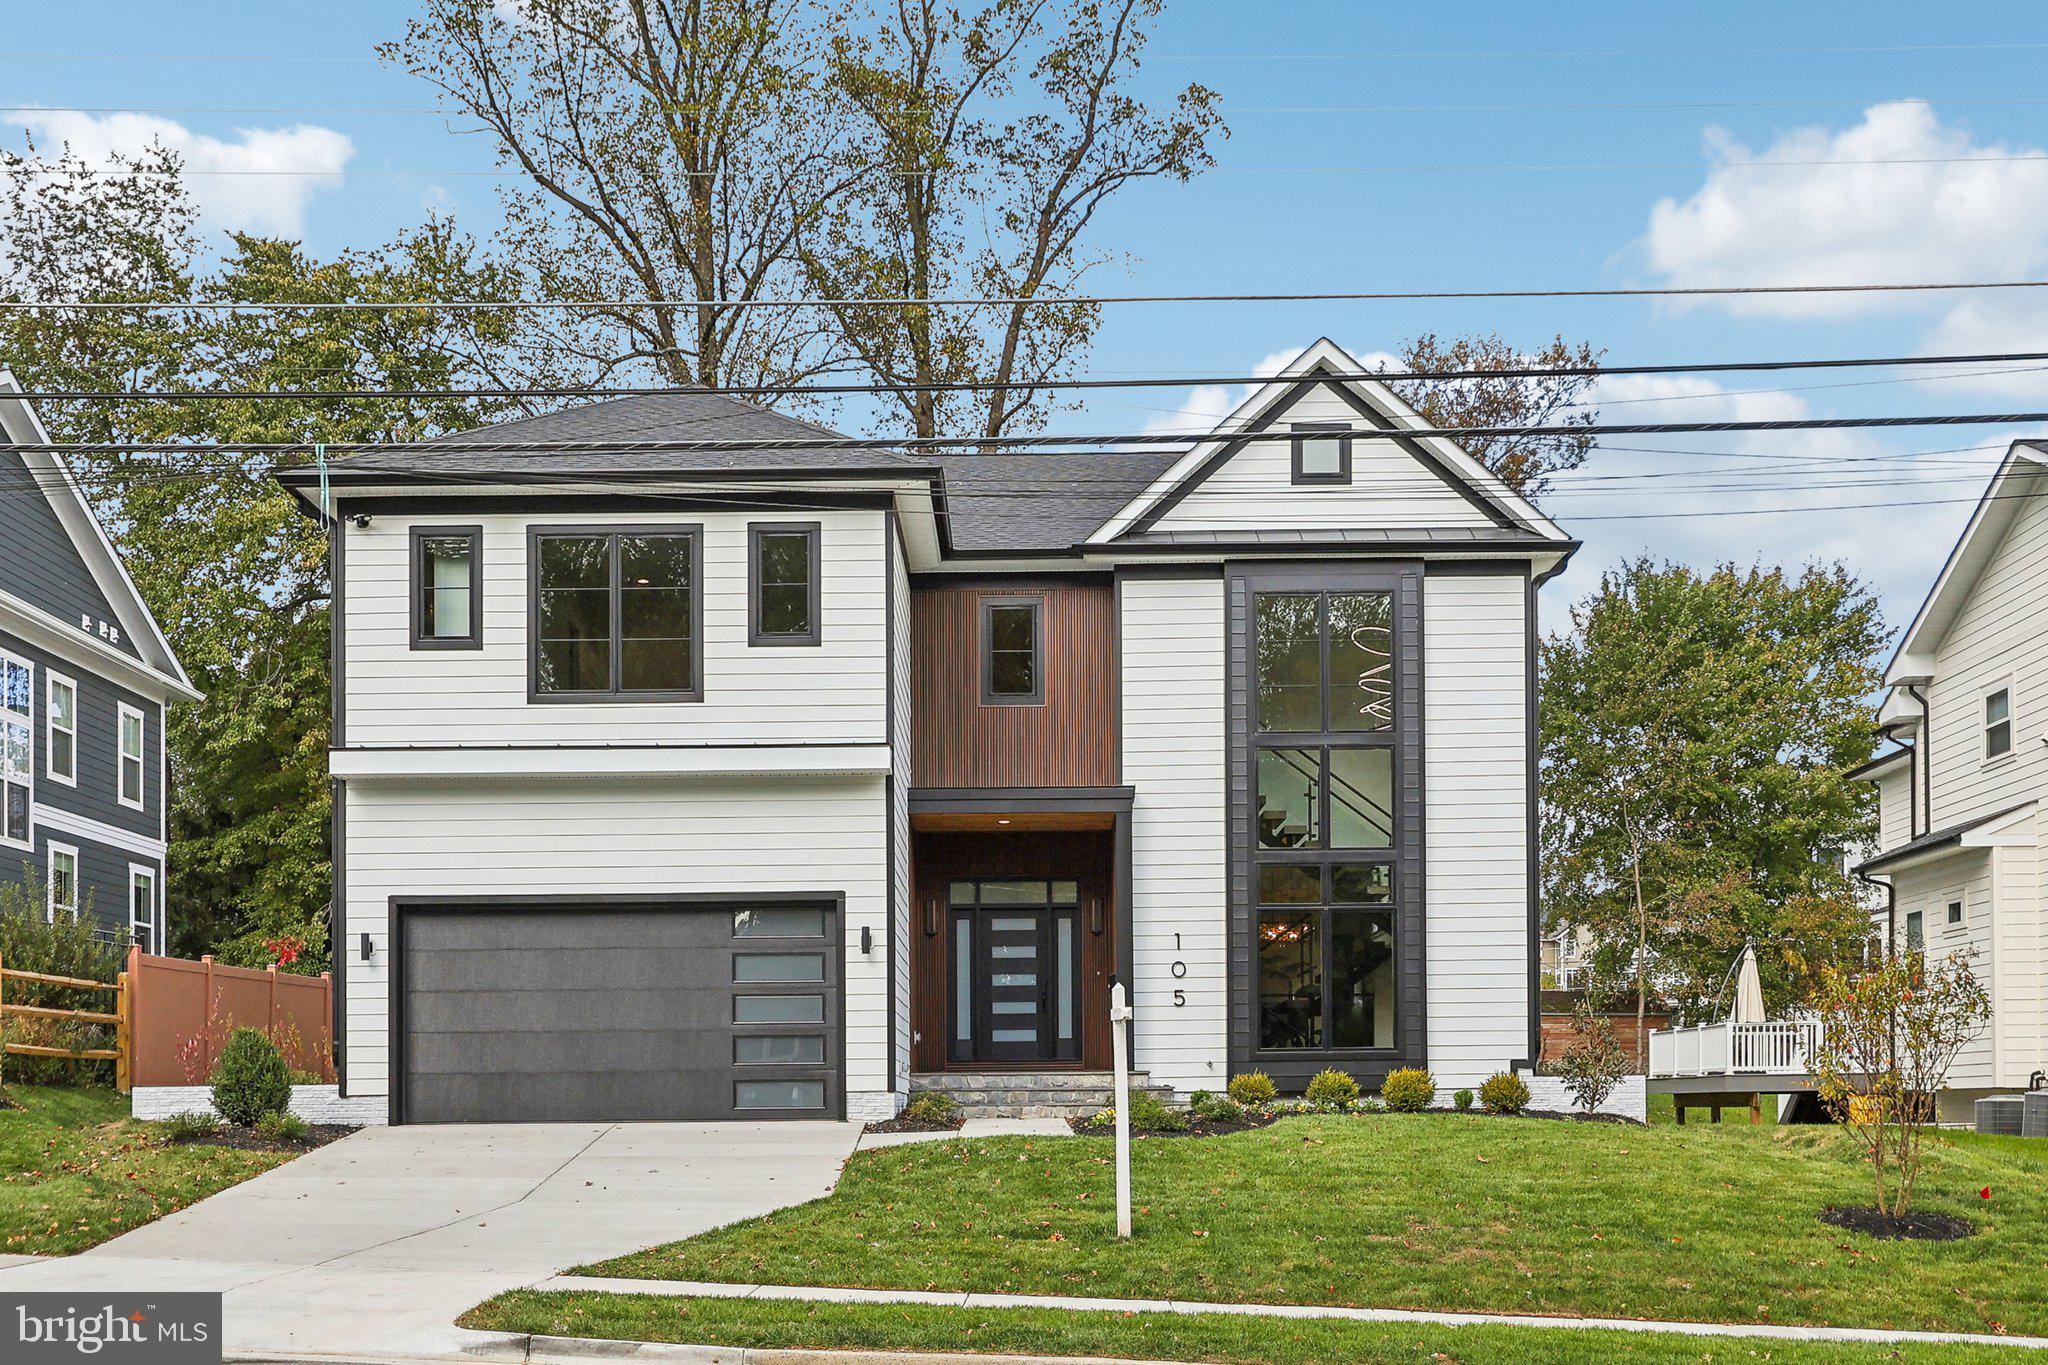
1475 747
833 693
1255 490
613 838
39 563
1968 875
1172 652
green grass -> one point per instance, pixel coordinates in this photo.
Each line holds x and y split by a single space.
781 1325
1427 1211
1663 1110
75 1170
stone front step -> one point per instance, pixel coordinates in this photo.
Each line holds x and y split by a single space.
1030 1094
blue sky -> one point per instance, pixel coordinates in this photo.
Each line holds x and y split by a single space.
1313 91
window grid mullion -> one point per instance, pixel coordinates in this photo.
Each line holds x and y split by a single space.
618 614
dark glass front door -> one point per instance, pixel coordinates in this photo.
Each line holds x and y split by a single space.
1016 971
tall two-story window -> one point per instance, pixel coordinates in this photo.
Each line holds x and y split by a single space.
133 735
447 587
1998 723
1323 818
60 720
17 758
782 584
615 614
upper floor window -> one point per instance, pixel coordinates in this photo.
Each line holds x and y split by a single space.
782 584
615 614
133 734
1998 723
16 749
447 587
1325 661
1012 643
60 743
1322 452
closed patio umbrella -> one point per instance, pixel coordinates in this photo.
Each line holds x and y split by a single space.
1749 991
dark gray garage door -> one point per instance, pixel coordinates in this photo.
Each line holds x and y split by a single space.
558 1014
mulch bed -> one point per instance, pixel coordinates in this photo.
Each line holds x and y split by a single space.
246 1140
902 1124
1918 1227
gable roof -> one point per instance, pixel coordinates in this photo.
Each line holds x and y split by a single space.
2023 467
19 425
1378 404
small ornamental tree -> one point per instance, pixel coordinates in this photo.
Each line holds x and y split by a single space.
1595 1062
1889 1034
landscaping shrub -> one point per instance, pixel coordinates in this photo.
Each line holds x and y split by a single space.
931 1106
250 1079
65 948
189 1127
1463 1100
281 1125
1149 1114
1504 1093
1409 1090
1595 1062
1331 1089
1253 1088
1215 1108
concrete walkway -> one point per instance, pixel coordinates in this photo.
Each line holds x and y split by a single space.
824 1294
372 1246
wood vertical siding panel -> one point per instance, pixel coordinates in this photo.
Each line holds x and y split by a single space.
1070 741
1174 749
833 693
602 838
1476 747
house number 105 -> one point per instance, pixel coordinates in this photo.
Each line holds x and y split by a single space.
1180 971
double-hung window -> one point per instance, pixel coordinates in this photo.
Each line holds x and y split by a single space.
616 614
60 720
1324 819
142 907
1998 723
134 734
782 584
447 587
63 881
17 750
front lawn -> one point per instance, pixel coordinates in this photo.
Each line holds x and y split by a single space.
780 1325
75 1170
1432 1211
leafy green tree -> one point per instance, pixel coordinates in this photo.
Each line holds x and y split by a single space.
1524 463
1695 728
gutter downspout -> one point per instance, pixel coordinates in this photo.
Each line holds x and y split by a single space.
1891 908
1921 749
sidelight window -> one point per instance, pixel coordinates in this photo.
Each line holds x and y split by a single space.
616 615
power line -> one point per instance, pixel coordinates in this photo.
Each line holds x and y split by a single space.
1014 300
986 386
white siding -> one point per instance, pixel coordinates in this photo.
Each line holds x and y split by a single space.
1966 876
1894 806
601 837
1475 746
832 693
899 852
1254 489
1172 658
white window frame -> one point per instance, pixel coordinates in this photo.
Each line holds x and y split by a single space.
52 680
122 756
2011 723
1906 932
1956 896
26 719
143 872
51 904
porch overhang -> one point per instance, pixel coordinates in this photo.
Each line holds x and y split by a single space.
1990 831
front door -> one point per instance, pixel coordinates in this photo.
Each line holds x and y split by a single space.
1016 970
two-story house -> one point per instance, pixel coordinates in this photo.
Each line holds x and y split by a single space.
1963 829
776 778
85 675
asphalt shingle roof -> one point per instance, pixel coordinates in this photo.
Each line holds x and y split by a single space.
1041 502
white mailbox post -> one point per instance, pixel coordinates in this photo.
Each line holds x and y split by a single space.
1120 1042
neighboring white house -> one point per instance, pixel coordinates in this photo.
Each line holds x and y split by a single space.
778 778
1963 839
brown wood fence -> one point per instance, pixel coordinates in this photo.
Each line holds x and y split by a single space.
120 1017
182 1011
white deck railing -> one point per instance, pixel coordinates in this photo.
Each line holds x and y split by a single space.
1728 1049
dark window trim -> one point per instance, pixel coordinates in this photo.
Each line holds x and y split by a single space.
613 696
814 534
1303 430
416 582
989 696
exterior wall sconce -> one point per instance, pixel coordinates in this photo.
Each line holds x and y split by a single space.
867 939
366 948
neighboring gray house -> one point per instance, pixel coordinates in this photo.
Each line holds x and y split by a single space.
85 675
780 781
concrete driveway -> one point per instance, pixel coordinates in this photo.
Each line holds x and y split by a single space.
372 1245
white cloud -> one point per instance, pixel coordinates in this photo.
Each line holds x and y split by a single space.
1947 208
1208 404
244 197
